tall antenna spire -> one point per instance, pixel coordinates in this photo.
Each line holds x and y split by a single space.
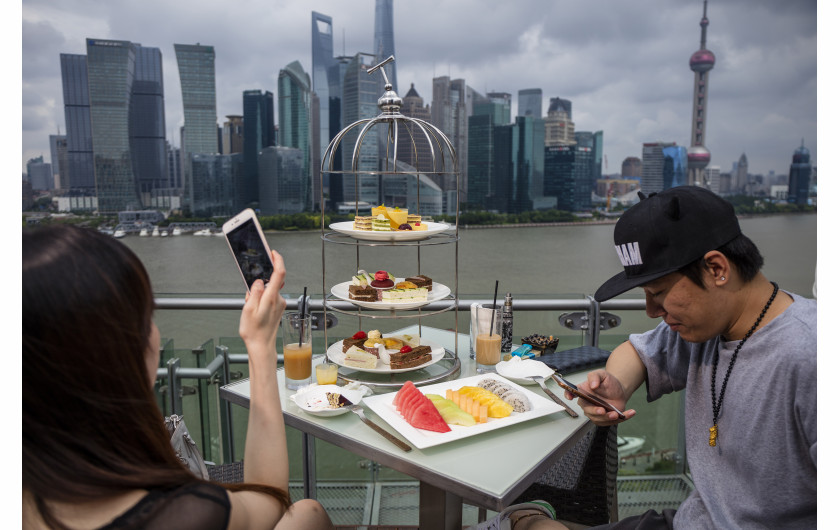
703 23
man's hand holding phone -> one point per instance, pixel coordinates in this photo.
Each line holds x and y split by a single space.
601 385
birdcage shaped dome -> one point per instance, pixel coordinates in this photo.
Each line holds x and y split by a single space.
391 158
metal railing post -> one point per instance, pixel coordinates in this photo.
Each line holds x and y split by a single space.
174 386
226 427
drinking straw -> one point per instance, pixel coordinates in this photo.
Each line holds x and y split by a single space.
493 314
300 320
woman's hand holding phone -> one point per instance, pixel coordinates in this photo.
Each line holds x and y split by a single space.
261 315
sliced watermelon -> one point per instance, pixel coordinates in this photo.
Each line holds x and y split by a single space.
407 386
410 402
427 417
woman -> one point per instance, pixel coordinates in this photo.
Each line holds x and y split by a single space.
96 453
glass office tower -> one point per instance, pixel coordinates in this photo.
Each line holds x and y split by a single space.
74 81
799 182
674 167
568 170
530 103
322 61
197 71
257 133
293 106
147 123
361 92
110 84
383 38
282 186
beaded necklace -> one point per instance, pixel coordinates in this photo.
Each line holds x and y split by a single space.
717 402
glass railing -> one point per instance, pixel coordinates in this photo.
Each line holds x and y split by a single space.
202 352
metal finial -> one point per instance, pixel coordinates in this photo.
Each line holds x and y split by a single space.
380 66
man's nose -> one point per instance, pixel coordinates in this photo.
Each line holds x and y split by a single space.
653 309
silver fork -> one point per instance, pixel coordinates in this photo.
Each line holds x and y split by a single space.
541 381
388 436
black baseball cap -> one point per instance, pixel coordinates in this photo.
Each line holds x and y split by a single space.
665 232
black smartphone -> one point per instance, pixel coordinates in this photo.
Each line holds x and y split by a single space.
249 247
586 396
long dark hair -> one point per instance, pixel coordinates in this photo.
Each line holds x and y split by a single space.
91 426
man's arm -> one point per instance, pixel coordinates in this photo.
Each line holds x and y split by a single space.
623 375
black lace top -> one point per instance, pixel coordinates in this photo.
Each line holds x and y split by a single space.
198 505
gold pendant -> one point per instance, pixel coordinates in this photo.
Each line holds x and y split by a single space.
713 435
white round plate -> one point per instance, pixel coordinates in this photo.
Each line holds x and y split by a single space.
518 370
314 399
438 292
347 229
335 355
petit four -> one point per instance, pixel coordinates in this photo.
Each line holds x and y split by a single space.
358 358
380 223
363 222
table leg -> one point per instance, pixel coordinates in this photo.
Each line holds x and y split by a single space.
309 478
439 509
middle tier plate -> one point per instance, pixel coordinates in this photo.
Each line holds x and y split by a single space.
334 354
438 292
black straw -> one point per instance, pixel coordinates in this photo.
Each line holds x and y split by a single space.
300 320
493 314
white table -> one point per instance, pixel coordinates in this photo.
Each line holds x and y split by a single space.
488 470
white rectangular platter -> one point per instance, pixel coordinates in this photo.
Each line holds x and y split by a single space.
383 406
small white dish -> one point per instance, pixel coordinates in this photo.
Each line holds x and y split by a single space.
313 399
519 370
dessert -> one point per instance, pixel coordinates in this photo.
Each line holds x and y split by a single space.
412 219
358 358
363 222
419 226
404 226
410 359
362 278
405 296
418 410
364 293
374 339
356 340
380 223
421 280
405 285
382 280
397 217
508 394
379 210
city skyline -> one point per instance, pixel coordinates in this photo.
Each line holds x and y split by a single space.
763 101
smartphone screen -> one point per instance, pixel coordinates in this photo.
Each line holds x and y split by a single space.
250 253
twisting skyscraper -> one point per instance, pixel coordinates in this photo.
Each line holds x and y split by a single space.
701 62
383 38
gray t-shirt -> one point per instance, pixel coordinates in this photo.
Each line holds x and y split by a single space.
763 471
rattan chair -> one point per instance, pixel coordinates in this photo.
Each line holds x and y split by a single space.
232 473
581 486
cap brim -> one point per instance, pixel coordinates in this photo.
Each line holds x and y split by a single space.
620 283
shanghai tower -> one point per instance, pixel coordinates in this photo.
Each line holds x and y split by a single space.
383 38
701 62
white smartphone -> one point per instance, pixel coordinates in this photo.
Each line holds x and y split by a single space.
249 247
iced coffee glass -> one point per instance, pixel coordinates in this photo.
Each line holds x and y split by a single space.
488 341
297 349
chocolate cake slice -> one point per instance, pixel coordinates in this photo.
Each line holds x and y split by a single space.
349 343
421 280
411 363
362 293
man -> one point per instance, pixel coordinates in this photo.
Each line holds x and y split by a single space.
744 351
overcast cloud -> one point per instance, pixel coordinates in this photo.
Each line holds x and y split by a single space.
623 64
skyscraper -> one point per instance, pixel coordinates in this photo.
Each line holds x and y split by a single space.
383 38
39 174
257 134
74 80
674 167
653 163
58 160
111 72
530 103
568 171
147 123
197 71
701 62
412 147
450 111
294 111
800 176
322 62
358 101
232 131
282 186
559 127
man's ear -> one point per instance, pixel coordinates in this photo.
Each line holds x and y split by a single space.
718 266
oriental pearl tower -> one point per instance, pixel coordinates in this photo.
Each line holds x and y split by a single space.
701 62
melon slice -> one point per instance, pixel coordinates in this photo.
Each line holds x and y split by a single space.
425 416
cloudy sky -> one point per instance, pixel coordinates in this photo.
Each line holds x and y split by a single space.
624 65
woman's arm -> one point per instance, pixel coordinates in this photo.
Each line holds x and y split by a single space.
266 455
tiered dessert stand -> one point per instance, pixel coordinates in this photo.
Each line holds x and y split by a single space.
384 132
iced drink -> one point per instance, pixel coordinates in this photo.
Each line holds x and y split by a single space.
488 349
326 373
298 361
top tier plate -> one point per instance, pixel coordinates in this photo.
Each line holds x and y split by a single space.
346 228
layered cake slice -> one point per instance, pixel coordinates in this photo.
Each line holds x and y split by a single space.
362 293
404 296
381 223
421 280
415 357
363 222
